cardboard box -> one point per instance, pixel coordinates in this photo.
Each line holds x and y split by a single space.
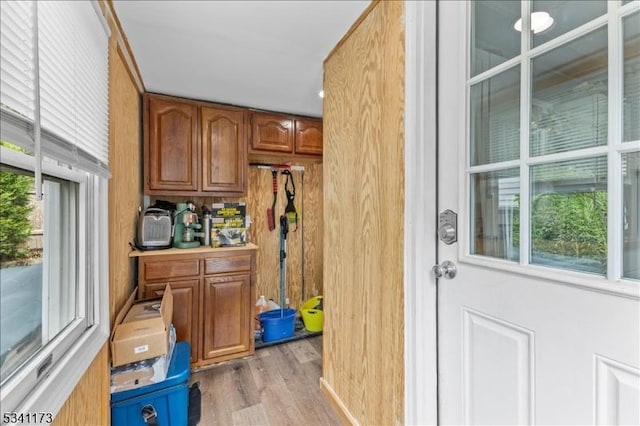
228 224
226 210
145 372
141 330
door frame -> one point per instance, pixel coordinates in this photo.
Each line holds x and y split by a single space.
420 214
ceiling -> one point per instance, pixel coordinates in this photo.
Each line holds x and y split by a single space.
260 54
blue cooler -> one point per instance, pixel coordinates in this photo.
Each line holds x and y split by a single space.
166 402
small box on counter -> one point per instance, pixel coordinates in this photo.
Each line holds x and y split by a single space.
229 210
228 224
145 372
141 329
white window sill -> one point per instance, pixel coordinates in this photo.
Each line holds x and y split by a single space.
55 389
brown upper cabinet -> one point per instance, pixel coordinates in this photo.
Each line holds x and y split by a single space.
285 134
193 148
224 150
308 137
171 145
271 132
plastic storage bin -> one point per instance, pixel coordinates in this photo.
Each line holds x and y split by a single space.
313 303
278 324
168 400
313 319
312 314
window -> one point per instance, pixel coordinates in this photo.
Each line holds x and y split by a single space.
54 170
554 135
39 283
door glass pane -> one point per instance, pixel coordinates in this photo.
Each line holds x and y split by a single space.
495 118
562 17
631 102
495 220
569 96
631 215
493 38
569 215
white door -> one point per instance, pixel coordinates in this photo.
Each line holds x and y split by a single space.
539 156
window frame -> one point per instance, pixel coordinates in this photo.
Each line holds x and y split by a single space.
76 346
612 282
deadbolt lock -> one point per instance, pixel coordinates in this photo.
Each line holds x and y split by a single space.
448 227
447 233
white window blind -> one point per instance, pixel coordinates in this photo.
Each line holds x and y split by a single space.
17 71
574 116
73 70
57 69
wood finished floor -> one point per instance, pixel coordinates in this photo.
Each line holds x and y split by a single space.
279 385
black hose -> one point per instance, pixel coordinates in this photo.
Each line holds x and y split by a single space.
302 231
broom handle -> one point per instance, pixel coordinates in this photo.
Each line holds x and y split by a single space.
284 228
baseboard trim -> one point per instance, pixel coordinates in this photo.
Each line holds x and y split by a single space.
337 403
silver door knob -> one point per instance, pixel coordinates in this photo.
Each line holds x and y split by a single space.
447 269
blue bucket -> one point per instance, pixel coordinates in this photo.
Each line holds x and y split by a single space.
278 324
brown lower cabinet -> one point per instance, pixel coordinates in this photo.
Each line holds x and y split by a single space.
213 293
186 302
224 303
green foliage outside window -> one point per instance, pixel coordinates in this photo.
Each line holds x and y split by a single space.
15 226
573 225
15 208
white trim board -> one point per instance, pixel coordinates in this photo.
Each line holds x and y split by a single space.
420 322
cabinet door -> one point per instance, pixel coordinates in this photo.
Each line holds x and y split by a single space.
227 315
271 132
224 150
171 145
308 137
185 309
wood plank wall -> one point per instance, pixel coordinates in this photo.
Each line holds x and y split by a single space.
89 402
259 197
309 209
125 185
363 370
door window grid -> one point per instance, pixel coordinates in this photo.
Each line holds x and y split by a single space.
613 150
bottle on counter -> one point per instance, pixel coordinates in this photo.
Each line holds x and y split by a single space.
261 306
206 226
